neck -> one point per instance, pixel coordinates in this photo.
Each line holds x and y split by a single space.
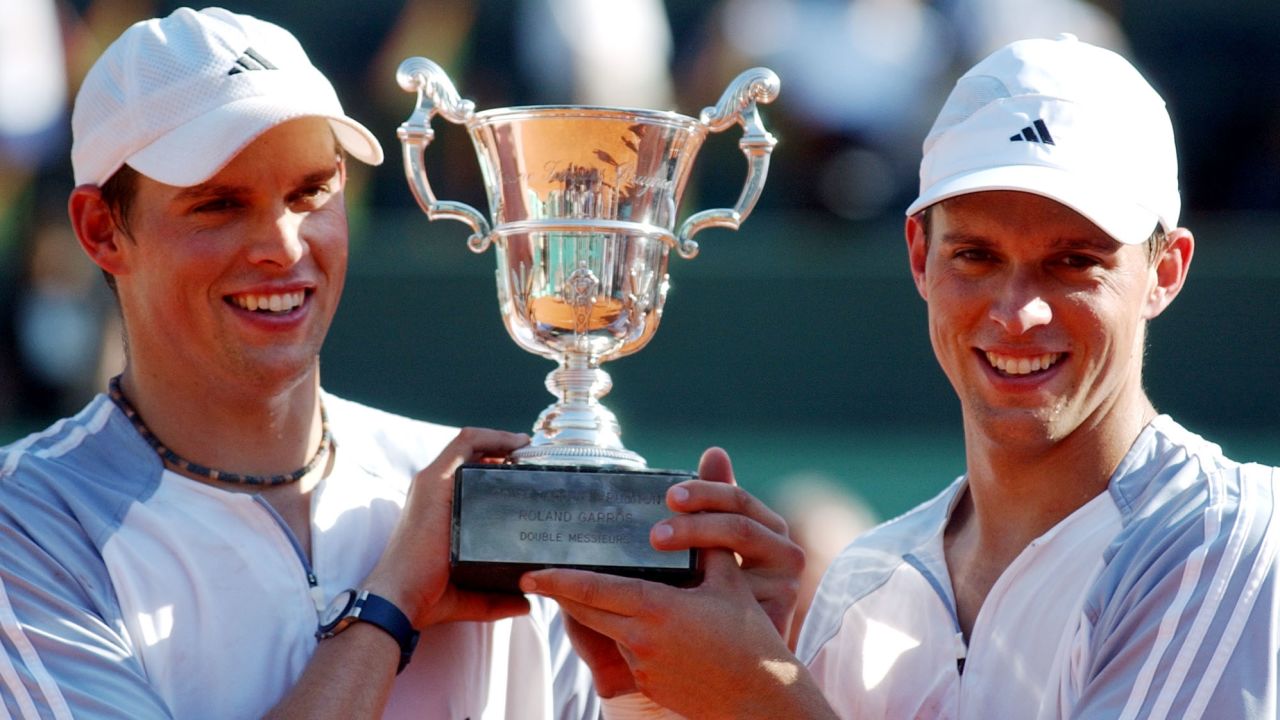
1021 490
246 429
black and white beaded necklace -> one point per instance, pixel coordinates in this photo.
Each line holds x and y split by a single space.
175 460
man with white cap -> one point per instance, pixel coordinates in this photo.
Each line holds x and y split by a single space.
217 537
1096 559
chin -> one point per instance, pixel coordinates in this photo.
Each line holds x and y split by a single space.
1019 426
277 371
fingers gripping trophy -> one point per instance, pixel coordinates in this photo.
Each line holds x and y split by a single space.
584 202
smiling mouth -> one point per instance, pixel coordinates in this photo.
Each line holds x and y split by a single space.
1015 366
274 303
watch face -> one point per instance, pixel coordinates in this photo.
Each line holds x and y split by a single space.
337 609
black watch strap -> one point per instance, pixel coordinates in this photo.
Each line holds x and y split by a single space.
379 611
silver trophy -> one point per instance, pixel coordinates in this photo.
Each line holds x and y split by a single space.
584 203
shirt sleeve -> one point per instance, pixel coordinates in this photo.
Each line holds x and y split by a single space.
1186 625
65 650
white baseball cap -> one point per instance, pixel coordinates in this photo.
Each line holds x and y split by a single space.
177 98
1063 119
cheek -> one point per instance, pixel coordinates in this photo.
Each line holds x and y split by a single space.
947 336
170 299
177 266
326 234
1110 333
954 309
189 247
331 257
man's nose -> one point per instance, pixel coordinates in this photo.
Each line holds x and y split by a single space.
1020 306
278 240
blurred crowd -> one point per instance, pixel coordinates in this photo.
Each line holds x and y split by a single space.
861 81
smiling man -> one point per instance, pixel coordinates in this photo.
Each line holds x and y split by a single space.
1096 559
217 536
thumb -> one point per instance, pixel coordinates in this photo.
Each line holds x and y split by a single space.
716 466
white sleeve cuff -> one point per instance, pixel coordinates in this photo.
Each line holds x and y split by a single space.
635 706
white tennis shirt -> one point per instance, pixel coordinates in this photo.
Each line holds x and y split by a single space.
1157 599
127 591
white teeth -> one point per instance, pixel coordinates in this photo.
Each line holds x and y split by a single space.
281 302
1022 365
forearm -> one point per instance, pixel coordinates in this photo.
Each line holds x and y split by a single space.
800 701
778 687
350 675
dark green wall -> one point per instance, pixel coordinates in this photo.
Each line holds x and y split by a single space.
799 345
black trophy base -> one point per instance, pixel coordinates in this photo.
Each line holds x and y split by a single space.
510 519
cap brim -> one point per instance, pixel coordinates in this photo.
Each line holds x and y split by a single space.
195 151
1126 222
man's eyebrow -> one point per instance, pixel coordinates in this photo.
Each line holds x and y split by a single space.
321 175
959 237
1100 243
206 190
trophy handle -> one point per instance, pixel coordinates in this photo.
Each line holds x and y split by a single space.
436 96
737 104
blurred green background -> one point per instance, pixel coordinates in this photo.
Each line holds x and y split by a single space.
797 343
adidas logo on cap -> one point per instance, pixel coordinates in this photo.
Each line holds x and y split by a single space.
1035 132
250 60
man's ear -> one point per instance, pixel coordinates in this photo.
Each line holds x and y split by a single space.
917 252
1170 271
95 228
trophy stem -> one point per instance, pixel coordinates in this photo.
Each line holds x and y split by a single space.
577 429
579 385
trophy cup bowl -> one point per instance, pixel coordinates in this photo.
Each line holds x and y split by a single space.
584 203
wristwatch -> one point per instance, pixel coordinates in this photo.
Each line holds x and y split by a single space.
351 605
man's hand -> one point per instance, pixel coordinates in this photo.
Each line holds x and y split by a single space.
712 650
413 571
716 513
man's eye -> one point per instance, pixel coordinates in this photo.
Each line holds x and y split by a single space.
312 193
213 206
1078 262
973 255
